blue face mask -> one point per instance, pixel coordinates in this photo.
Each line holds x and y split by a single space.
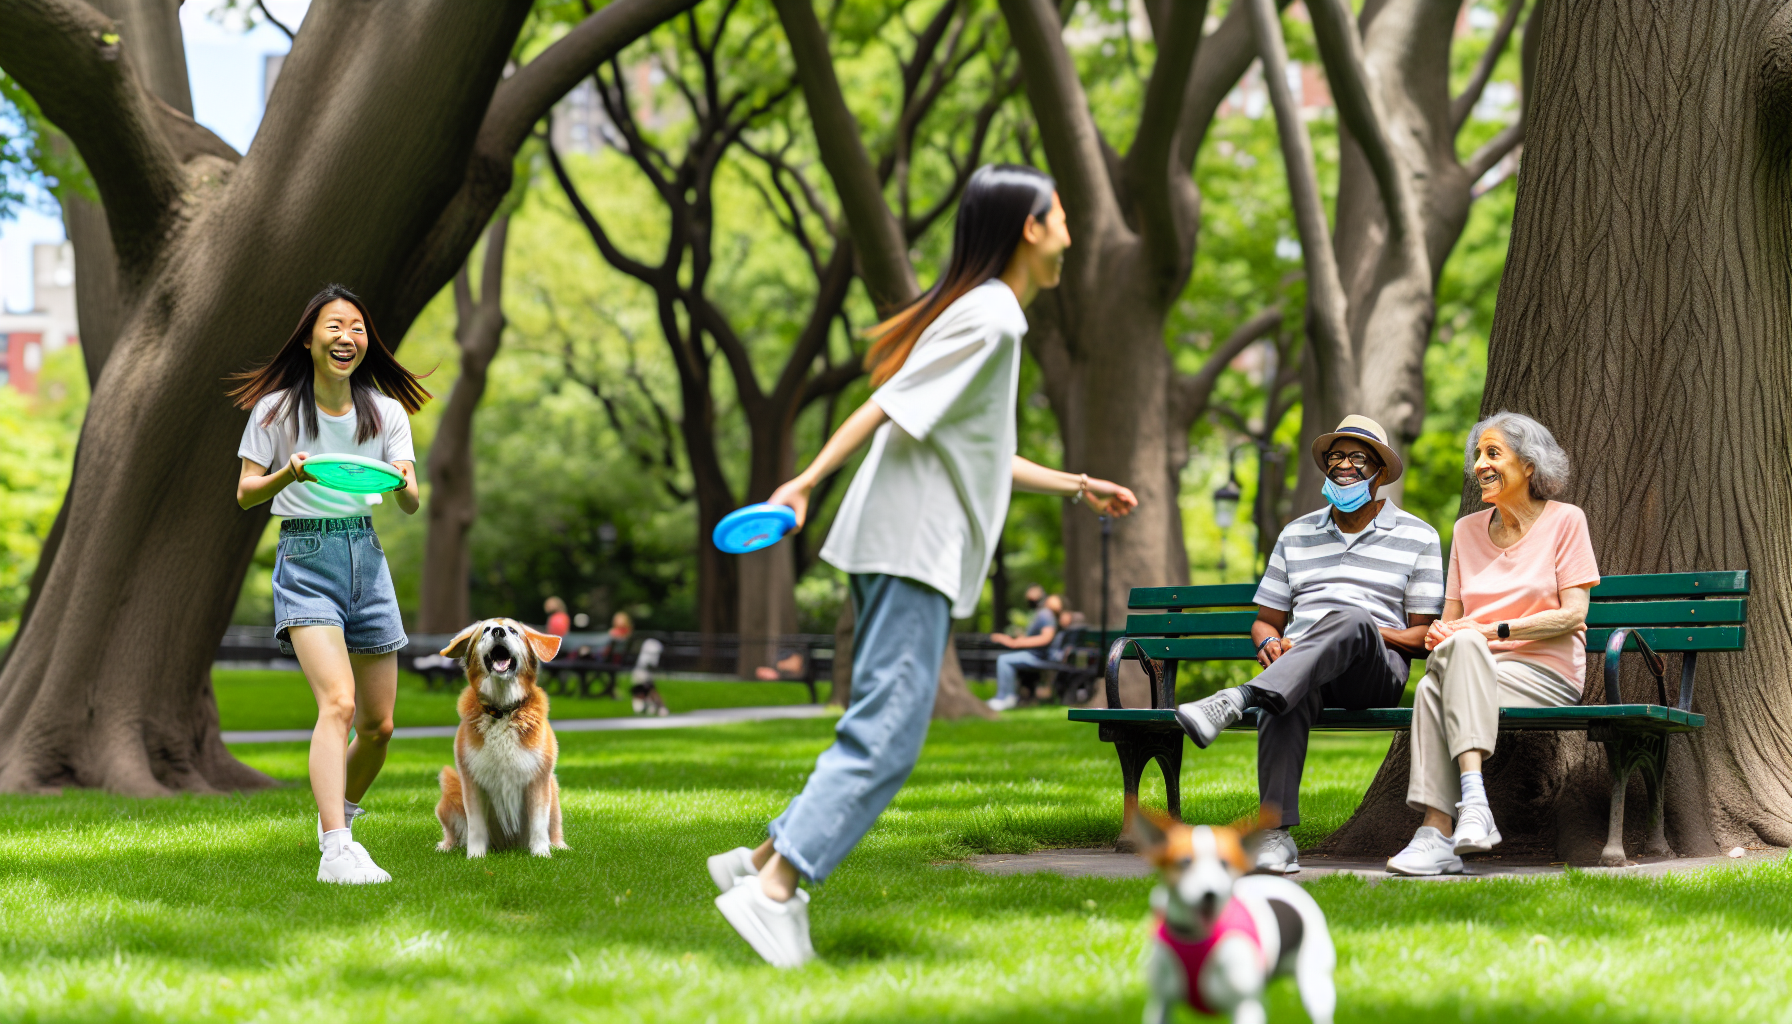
1346 497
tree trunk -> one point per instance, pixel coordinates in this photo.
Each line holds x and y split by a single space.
954 698
448 549
1643 317
108 682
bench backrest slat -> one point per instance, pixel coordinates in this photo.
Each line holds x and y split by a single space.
1717 612
1671 584
1215 595
1667 638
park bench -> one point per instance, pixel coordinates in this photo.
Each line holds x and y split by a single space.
1074 673
1687 613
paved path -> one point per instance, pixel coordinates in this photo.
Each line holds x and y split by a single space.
711 716
1105 863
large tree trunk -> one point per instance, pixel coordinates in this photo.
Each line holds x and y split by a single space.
373 124
448 548
1644 316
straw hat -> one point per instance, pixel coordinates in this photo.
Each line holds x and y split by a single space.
1369 432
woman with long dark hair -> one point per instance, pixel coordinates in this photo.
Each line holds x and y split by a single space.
334 388
915 531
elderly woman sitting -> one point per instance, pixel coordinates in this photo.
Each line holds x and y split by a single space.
1513 634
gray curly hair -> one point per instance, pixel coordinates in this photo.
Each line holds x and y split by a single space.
1532 443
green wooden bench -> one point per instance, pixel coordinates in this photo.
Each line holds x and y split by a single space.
1686 613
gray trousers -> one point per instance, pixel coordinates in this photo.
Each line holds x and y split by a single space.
1340 663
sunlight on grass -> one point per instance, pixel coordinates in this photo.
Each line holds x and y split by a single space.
204 908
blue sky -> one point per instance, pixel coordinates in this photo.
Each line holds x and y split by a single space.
224 66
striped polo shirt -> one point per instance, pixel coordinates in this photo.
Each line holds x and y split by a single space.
1394 568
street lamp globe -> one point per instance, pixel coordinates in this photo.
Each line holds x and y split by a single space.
1225 504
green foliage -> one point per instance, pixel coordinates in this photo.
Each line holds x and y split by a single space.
36 458
30 159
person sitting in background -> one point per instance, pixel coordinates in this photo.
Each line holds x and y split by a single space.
1342 609
1513 634
559 623
615 643
1042 629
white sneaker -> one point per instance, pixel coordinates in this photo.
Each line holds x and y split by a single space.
1002 703
1475 830
352 866
725 869
1430 853
779 932
1206 718
1277 854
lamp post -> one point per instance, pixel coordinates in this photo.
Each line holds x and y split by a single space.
1107 530
1225 503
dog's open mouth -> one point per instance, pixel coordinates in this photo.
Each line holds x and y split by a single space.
499 660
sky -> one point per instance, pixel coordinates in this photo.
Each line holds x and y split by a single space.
224 68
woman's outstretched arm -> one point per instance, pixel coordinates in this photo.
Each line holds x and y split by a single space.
1104 496
852 435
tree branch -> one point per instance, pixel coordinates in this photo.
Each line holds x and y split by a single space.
616 257
1327 327
1484 159
1341 49
276 22
1072 142
1150 175
1196 389
1477 83
1221 61
73 62
877 238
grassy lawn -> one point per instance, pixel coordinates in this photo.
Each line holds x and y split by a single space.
204 908
267 699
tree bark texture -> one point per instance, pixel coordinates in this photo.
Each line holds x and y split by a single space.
1123 412
1644 316
453 505
377 110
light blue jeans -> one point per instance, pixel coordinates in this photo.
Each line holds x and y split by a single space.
900 638
1009 667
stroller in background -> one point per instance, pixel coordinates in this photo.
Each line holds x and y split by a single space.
643 695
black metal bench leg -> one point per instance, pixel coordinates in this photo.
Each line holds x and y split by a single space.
1654 776
1625 752
1136 749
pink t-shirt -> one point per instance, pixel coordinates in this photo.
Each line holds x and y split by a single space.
1497 585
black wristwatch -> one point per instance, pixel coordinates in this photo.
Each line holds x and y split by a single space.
1505 631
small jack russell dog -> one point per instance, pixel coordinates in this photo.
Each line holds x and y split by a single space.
501 791
1221 937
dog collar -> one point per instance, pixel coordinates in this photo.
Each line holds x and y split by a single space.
503 711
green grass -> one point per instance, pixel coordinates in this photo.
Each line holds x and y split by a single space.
268 699
204 908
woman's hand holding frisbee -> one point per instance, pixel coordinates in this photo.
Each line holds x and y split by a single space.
795 495
1108 498
296 466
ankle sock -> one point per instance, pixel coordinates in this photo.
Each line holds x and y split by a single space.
349 810
1474 790
333 841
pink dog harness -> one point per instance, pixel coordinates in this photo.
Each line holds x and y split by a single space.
1233 920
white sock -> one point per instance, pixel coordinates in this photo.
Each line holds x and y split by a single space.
333 841
349 810
1474 791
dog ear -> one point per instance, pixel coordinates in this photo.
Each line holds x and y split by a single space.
545 645
463 640
1147 832
1267 816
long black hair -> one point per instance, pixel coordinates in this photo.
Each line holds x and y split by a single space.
991 214
291 371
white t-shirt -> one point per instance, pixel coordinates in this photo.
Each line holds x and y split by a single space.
930 497
272 446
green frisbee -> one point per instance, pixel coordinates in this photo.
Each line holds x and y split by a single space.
353 474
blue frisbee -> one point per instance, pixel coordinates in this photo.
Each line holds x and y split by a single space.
754 527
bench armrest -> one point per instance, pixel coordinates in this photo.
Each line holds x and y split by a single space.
1614 650
1153 671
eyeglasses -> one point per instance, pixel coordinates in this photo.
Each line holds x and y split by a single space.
1360 460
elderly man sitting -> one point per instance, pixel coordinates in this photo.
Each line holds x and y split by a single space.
1042 632
1342 609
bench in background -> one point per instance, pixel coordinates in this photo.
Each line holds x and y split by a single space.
1684 613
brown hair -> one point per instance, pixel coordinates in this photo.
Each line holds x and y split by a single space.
291 372
995 207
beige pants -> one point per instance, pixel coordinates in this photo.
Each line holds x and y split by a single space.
1457 709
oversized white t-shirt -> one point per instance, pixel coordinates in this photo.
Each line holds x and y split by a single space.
272 446
929 499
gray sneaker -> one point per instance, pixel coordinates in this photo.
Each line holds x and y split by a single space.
1430 853
1277 854
1206 718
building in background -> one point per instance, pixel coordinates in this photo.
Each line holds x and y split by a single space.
25 338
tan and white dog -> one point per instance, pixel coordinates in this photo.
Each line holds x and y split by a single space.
1221 937
501 791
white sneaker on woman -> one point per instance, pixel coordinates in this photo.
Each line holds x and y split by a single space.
352 865
725 869
779 932
348 822
1475 830
1002 703
1430 853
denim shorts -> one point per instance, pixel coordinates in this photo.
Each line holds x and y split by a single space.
332 572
